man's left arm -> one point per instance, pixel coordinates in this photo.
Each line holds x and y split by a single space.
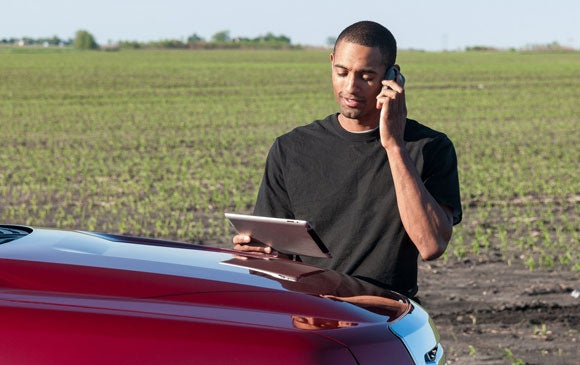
428 223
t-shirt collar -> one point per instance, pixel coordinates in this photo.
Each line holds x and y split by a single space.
363 136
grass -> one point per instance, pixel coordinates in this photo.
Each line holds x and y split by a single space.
161 143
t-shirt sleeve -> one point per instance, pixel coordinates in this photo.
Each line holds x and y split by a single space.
273 200
440 175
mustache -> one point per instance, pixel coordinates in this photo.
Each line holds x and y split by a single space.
350 96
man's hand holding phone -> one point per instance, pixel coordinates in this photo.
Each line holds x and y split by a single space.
391 101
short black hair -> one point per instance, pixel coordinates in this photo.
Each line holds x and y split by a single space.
371 34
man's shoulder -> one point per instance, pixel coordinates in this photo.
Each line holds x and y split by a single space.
415 132
312 131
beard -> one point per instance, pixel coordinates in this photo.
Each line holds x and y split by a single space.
353 111
350 113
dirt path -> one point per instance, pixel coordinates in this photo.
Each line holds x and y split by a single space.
495 313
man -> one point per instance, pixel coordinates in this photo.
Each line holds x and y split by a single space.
378 188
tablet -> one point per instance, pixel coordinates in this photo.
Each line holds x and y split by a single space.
288 236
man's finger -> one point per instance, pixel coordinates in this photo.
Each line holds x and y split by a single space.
241 239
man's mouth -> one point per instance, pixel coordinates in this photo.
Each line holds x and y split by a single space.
352 102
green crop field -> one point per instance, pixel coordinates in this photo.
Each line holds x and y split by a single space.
161 143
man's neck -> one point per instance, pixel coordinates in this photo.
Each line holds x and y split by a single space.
357 125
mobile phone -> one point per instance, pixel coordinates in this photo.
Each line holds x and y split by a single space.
392 74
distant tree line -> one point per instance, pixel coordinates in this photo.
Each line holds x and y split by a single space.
550 47
27 41
83 40
221 40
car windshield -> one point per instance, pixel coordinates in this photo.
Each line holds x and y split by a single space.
11 233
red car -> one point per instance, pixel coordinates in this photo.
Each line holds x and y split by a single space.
71 297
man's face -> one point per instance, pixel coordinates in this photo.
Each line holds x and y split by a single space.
357 72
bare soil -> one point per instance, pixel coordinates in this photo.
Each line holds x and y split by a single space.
492 312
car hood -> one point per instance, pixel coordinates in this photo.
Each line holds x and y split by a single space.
173 278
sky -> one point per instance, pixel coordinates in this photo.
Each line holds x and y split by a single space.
429 25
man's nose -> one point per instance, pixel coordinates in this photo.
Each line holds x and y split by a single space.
351 84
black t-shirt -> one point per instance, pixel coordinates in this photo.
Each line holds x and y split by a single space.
341 182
